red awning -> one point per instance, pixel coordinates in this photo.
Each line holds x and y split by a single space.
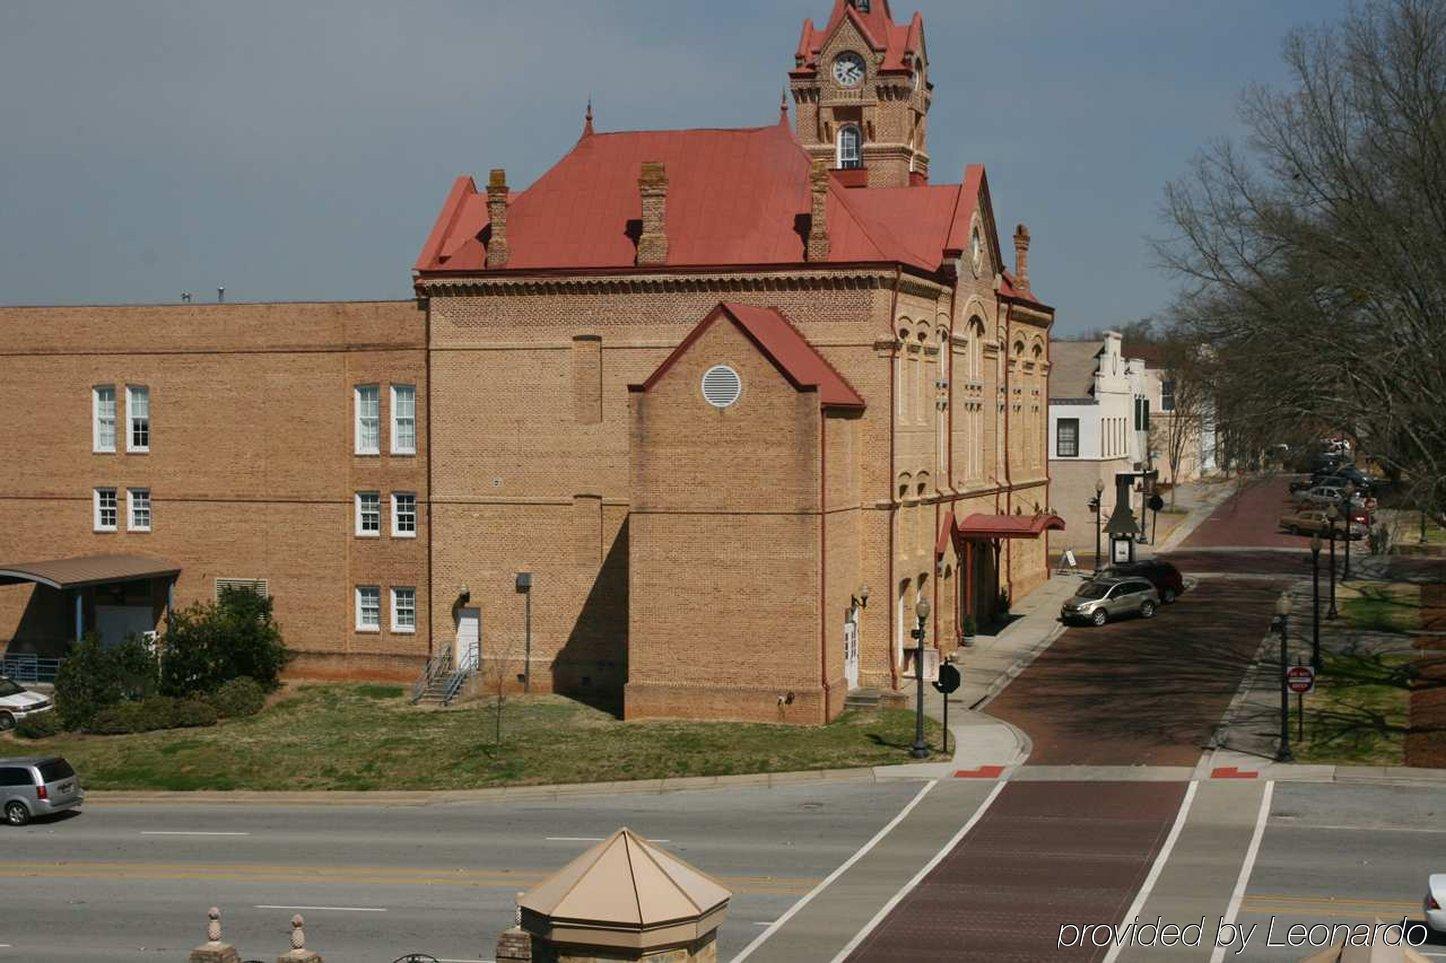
1008 526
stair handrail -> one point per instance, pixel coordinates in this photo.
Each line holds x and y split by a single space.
465 667
436 667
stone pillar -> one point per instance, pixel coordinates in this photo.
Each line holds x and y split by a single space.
818 246
298 952
653 241
498 249
514 946
213 950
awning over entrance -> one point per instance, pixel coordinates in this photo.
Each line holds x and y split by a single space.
982 526
70 573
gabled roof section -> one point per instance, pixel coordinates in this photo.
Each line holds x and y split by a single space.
782 344
735 198
1072 367
899 43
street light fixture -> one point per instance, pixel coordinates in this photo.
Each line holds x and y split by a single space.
1282 625
920 749
1332 514
1315 601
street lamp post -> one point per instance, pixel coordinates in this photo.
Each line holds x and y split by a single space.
1282 625
1350 494
1099 502
1331 534
1315 602
920 749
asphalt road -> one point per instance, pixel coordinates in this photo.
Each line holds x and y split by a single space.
133 882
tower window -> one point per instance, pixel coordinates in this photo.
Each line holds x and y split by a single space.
850 148
862 6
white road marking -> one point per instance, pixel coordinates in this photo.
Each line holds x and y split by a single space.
1297 822
1164 855
187 832
1246 867
330 909
577 839
928 868
843 868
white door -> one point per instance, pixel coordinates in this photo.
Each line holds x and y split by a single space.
851 650
469 636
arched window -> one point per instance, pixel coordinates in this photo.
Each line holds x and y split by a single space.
850 147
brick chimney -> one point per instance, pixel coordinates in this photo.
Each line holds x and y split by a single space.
818 214
1021 257
498 250
653 186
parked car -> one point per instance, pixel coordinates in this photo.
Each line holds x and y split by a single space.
1434 902
33 786
1324 495
1165 577
1313 521
1099 600
17 702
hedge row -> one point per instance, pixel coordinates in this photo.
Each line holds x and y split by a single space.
234 699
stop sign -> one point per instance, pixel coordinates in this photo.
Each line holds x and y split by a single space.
1300 679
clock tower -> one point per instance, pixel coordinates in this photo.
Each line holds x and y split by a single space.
862 92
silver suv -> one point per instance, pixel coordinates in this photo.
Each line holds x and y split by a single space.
33 786
1101 599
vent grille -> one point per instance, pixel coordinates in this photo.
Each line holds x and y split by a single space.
721 386
257 585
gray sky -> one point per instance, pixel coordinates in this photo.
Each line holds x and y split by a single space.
300 150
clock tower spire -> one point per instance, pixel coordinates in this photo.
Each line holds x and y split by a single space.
862 91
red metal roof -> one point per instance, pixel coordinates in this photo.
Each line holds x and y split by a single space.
735 197
782 344
980 525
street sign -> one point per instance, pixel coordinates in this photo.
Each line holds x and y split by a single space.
1156 502
1300 679
949 678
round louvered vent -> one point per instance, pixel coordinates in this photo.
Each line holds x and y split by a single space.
721 386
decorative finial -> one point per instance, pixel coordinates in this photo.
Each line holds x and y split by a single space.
587 122
783 108
213 925
298 936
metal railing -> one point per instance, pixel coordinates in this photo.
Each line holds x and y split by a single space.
29 668
437 666
459 676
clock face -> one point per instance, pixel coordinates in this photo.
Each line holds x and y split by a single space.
848 70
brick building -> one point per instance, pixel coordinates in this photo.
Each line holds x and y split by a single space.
732 400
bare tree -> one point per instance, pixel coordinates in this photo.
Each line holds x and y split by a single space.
1314 258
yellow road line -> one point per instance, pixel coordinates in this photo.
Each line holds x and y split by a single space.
1330 907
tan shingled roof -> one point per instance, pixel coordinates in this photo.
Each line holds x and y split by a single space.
63 573
1072 366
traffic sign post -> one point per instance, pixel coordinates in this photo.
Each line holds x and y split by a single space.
947 683
1300 679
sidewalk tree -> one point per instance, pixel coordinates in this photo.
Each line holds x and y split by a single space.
1314 256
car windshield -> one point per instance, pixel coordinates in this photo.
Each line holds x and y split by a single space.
55 769
8 688
1092 590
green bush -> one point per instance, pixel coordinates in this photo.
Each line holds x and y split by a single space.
94 677
208 644
41 725
194 711
144 715
239 697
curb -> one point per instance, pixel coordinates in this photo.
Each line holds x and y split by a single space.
432 797
1014 671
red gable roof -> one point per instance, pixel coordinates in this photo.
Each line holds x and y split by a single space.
896 41
735 197
782 344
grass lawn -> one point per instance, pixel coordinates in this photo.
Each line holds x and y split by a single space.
1381 606
368 737
1358 713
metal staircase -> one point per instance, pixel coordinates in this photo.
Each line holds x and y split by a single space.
443 678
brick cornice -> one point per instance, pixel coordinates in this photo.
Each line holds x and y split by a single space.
844 277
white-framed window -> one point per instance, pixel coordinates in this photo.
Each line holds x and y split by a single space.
404 514
368 420
368 608
106 509
369 514
850 147
1066 438
138 509
404 609
404 419
138 418
102 418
